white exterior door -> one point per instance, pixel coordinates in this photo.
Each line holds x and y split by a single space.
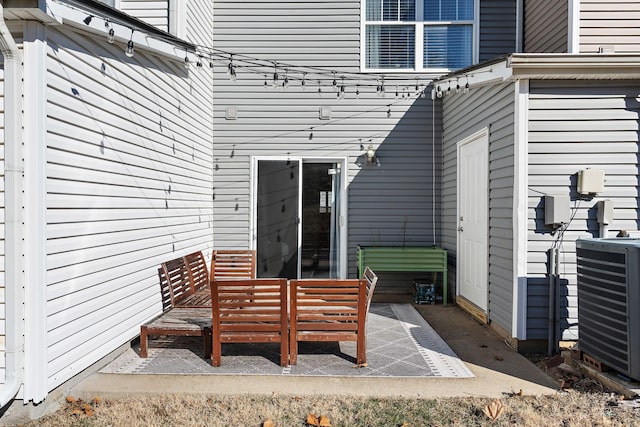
472 277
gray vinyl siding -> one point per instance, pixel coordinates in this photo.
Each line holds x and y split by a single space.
573 126
154 12
497 28
464 114
389 204
546 26
128 186
609 23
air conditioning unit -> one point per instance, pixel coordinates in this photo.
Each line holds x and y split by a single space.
609 302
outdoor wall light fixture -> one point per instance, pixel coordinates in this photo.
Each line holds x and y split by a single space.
371 155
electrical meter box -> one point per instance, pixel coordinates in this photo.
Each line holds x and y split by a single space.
556 209
590 181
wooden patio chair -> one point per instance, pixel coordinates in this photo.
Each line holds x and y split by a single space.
249 311
233 264
176 288
328 310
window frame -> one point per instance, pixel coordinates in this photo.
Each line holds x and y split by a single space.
419 26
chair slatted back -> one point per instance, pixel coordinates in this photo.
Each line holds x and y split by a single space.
177 278
198 272
327 310
249 310
233 264
372 279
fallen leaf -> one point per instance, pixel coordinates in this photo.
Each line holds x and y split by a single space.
312 420
493 410
77 412
520 393
89 412
71 399
404 424
268 423
324 421
499 358
96 400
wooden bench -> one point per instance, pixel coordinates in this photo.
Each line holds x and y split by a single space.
181 314
328 310
249 311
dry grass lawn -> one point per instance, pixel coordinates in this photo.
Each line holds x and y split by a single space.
571 408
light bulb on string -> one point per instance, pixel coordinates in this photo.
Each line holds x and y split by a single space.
231 69
211 63
88 19
439 92
357 91
199 63
186 60
457 86
334 83
266 85
285 81
275 75
311 134
111 36
319 88
397 95
388 110
129 51
466 86
302 83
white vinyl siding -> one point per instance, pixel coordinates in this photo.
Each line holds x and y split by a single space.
128 186
390 204
154 12
2 233
573 126
546 26
609 24
465 114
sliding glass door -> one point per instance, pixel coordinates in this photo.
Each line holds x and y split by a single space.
298 218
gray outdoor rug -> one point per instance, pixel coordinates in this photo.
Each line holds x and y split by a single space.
400 343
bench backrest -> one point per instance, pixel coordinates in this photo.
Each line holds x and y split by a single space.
198 272
233 264
176 279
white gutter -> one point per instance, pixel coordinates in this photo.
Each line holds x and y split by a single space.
14 249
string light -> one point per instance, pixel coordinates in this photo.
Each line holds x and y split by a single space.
457 86
466 86
129 50
259 66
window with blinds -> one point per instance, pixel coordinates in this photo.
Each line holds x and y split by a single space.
419 34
